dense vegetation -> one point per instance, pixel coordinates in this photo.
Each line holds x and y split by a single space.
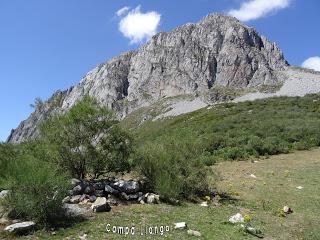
36 186
172 154
239 131
84 142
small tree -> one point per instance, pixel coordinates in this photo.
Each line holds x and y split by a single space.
87 140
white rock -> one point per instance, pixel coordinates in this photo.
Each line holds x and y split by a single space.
194 233
204 204
22 227
180 225
66 199
253 176
152 198
4 193
287 210
101 205
299 187
236 218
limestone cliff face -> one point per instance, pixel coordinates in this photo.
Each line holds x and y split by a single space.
218 50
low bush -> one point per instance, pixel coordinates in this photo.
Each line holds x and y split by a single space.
37 188
240 131
171 171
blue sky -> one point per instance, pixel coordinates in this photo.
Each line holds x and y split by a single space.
49 45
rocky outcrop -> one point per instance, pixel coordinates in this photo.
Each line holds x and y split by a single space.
217 51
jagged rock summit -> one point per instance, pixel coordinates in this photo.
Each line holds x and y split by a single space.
193 58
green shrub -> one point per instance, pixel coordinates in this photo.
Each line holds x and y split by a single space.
171 171
86 142
237 131
7 154
37 189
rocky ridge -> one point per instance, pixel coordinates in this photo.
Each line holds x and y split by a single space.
193 58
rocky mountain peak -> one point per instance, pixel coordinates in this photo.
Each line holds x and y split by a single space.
217 51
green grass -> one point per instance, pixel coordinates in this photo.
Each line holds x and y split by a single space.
260 197
229 131
240 131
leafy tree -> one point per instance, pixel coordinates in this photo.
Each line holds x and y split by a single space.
86 140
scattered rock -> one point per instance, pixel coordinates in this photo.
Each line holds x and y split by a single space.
152 198
128 187
194 233
253 231
75 199
92 198
300 187
99 193
204 204
99 186
83 237
287 210
101 205
124 196
238 218
88 190
253 176
109 189
135 196
4 193
180 225
74 182
113 201
20 228
77 190
74 210
66 199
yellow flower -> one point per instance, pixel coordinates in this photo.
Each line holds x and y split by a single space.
286 173
247 218
207 198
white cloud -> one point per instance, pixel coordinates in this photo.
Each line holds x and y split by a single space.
122 11
312 63
138 26
254 9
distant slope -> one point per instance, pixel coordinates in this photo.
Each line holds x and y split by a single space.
236 131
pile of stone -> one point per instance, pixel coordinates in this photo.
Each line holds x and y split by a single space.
100 194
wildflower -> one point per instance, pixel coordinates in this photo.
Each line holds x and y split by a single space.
247 218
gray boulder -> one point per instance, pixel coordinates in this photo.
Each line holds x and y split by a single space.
128 187
74 182
88 190
108 189
98 186
75 199
74 210
77 190
101 205
66 199
20 228
99 193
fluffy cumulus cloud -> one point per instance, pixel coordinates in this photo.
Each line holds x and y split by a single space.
254 9
312 63
136 25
